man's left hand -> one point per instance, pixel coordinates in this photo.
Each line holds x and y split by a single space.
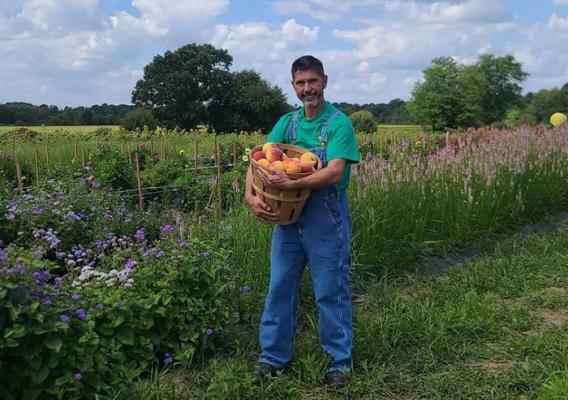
275 179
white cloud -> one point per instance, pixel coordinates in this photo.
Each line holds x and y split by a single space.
560 2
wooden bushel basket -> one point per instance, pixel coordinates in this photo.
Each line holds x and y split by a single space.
287 203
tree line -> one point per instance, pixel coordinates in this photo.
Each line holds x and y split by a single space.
18 113
193 86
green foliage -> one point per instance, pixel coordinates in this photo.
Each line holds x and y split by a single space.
248 104
18 113
453 95
112 170
176 185
179 85
138 118
363 121
113 333
546 102
393 112
515 118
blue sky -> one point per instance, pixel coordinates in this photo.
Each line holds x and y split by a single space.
84 52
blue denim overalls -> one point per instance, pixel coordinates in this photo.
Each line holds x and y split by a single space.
320 238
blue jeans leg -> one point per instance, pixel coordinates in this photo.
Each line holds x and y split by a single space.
325 229
278 323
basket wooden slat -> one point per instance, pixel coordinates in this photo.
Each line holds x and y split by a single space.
287 203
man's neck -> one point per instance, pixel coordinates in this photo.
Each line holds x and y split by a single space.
310 113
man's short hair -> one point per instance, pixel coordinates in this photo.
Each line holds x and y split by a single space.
308 63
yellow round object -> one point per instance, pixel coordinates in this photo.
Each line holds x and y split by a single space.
558 119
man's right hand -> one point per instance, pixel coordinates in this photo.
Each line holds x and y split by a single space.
260 209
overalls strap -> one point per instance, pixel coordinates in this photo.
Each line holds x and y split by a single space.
293 126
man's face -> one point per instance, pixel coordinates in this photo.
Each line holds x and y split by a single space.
309 87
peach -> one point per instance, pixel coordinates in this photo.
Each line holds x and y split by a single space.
310 157
259 155
264 162
277 166
292 167
274 154
306 166
267 146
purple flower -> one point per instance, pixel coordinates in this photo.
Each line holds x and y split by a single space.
166 228
96 185
37 275
64 318
205 254
99 306
168 358
183 245
209 331
160 254
78 376
76 297
245 289
141 146
81 314
46 301
130 264
140 235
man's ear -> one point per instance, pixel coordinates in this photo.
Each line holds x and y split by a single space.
324 81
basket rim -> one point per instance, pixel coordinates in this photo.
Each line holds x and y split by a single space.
319 164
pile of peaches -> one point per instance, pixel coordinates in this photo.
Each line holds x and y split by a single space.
273 158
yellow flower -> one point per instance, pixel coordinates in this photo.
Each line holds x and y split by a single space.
245 158
182 152
247 151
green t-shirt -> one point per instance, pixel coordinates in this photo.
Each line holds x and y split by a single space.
341 142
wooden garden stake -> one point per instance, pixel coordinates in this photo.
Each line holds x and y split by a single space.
98 142
36 155
14 146
139 183
234 154
218 161
128 153
75 155
152 147
47 160
196 148
83 157
19 176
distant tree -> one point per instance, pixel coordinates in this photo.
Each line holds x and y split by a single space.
138 118
437 100
454 95
363 121
179 86
501 90
249 103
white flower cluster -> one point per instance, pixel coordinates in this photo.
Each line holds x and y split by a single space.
90 276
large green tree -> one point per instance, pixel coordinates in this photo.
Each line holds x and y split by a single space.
501 89
180 85
453 95
249 103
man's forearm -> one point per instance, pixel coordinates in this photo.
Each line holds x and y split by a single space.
324 177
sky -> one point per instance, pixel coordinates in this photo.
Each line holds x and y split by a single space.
85 52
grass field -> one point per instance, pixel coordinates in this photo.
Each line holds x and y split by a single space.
57 128
492 329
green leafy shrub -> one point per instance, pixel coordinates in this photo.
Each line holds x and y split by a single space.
139 118
113 170
61 339
363 121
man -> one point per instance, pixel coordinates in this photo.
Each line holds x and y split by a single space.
321 237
